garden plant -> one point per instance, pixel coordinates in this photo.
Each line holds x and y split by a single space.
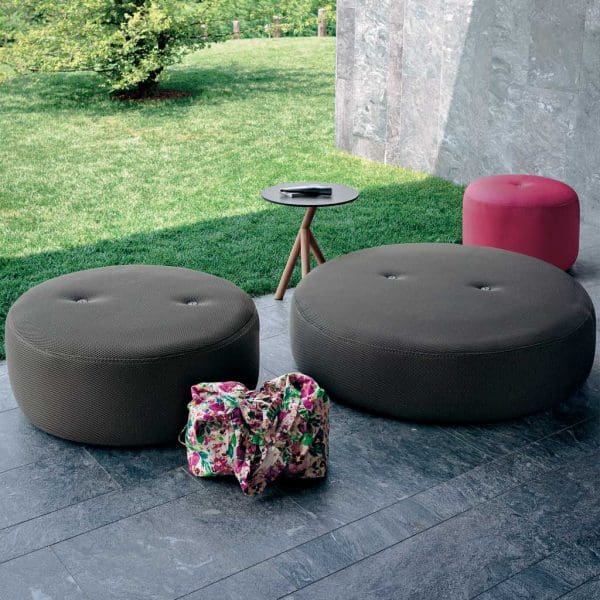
128 42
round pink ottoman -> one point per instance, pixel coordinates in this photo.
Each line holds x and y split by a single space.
532 215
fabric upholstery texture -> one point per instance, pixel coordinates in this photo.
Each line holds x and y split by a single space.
443 332
280 430
108 355
529 214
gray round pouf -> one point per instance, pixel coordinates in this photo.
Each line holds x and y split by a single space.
107 356
443 332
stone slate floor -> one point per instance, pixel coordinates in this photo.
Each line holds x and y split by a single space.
409 511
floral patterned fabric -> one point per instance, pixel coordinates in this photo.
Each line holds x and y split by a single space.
282 429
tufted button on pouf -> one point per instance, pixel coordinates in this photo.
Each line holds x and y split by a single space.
108 356
443 332
532 215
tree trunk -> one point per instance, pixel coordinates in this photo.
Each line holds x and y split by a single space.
149 87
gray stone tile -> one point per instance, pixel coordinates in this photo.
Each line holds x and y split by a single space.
592 20
564 501
587 591
508 436
276 355
553 576
312 561
464 102
273 319
181 546
340 548
457 559
556 32
479 484
371 69
589 236
268 300
130 466
429 452
263 376
417 148
264 301
39 576
354 487
510 44
566 445
345 47
90 514
369 148
549 118
375 461
576 563
272 523
61 479
344 106
7 399
418 135
536 582
21 443
395 69
132 560
261 582
423 39
473 88
582 170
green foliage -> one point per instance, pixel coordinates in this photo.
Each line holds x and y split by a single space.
16 16
297 17
130 42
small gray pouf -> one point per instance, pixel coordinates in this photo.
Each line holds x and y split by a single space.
443 332
107 356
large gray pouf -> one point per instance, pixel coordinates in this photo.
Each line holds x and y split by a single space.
443 332
107 356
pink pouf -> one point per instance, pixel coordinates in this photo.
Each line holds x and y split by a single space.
532 215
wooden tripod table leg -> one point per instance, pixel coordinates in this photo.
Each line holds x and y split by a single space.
289 269
316 250
304 244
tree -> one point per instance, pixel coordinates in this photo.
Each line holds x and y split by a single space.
16 16
129 42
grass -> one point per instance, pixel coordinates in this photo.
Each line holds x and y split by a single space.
87 181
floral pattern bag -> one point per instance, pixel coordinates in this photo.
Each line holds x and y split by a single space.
281 429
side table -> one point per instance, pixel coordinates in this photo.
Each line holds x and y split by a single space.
305 240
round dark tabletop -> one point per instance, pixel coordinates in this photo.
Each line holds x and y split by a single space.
341 194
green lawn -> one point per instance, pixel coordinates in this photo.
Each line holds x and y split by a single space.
86 181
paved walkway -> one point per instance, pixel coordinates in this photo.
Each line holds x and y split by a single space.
408 511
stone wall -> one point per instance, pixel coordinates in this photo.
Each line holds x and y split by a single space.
465 88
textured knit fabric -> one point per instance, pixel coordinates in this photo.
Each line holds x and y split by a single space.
283 429
107 356
443 332
529 214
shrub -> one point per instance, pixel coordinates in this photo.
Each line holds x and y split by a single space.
16 16
129 42
297 17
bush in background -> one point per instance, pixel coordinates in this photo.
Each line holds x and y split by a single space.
297 17
16 16
129 42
